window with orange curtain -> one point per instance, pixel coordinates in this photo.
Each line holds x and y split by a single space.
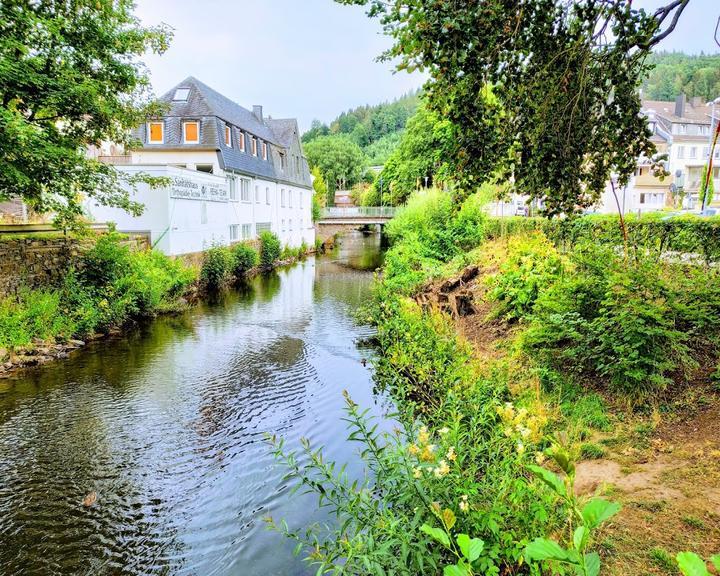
156 133
228 137
192 132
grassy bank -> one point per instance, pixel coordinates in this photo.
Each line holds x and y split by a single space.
566 338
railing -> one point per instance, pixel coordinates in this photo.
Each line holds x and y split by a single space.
359 212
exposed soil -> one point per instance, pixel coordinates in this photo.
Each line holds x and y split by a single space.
665 470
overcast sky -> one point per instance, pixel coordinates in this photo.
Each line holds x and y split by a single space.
313 58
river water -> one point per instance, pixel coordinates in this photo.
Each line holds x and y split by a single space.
166 425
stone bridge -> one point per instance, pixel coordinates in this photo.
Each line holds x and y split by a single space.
335 221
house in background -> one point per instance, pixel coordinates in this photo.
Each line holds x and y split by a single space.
232 174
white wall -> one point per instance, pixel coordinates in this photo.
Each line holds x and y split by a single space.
182 226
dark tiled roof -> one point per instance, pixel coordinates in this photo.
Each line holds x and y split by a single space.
284 129
691 114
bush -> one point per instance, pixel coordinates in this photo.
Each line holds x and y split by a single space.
269 249
217 267
245 258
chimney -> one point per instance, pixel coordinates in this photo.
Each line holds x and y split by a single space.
680 105
696 101
257 110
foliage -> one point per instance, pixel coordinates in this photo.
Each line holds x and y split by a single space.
379 151
423 152
584 520
111 286
691 564
532 265
707 188
270 249
245 258
52 108
676 73
543 91
217 267
320 193
340 161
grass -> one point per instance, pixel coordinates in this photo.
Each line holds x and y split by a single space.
663 560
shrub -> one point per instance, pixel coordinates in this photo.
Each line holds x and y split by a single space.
269 249
217 267
245 257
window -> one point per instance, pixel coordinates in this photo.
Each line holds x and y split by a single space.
246 231
704 130
203 213
290 225
241 141
254 146
681 152
263 226
693 152
244 190
156 132
282 197
208 168
706 151
234 232
300 204
301 223
290 198
283 161
191 132
264 149
283 225
267 195
181 95
233 189
228 136
642 198
257 194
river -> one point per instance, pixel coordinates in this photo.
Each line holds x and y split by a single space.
166 426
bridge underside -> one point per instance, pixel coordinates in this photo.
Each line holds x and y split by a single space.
330 227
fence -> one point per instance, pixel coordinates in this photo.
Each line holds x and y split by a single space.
359 212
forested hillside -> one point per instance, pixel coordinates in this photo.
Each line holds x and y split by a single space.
675 72
375 129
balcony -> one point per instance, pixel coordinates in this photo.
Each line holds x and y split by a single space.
653 181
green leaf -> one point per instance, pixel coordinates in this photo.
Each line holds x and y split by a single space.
549 478
544 549
691 564
592 564
715 561
580 538
436 533
598 510
455 570
471 548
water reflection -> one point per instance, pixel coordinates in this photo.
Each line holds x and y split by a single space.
166 424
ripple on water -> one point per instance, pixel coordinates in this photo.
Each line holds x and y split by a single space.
167 426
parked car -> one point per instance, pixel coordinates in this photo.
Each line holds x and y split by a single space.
521 210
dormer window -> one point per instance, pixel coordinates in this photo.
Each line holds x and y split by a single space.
242 141
228 136
191 132
254 146
264 150
181 95
156 132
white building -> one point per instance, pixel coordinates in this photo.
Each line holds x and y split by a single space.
232 174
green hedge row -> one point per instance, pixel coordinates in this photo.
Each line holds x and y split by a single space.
658 232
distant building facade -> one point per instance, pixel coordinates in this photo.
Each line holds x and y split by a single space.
232 174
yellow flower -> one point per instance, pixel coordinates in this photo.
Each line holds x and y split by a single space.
442 469
414 450
423 436
539 458
443 431
417 472
427 453
451 454
464 506
520 448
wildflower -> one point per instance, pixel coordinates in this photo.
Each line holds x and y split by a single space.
444 430
417 472
520 448
525 432
539 458
451 454
442 469
423 436
413 450
464 506
427 453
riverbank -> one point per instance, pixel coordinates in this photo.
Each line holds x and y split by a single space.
519 363
109 286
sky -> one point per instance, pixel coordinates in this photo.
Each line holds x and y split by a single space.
310 59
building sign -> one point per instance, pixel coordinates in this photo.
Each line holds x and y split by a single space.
188 189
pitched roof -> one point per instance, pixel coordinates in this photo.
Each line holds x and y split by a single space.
699 114
204 101
284 130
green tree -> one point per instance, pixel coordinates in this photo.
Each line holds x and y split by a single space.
320 192
317 129
674 73
541 92
424 151
707 188
340 161
69 78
